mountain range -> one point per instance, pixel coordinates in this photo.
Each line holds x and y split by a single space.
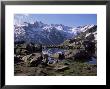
53 34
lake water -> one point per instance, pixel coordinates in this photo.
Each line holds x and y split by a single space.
51 51
92 61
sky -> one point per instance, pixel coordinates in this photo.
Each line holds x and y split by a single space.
72 20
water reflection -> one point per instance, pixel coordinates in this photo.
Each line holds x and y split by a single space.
51 51
92 61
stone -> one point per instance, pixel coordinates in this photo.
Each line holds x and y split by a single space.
61 68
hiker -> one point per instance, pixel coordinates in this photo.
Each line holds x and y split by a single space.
46 59
63 56
59 57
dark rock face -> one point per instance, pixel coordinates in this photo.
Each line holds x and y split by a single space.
82 55
35 63
32 48
87 52
87 42
89 46
17 59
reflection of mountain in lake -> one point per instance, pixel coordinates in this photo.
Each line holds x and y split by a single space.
53 50
56 51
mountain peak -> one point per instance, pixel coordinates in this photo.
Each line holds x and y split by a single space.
38 32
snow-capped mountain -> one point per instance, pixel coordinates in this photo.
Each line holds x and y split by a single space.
39 32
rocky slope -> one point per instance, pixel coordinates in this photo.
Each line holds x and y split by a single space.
84 45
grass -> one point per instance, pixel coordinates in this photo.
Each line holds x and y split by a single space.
75 69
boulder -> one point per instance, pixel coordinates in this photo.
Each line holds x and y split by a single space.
61 68
25 58
31 57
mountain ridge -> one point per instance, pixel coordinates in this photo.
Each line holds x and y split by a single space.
53 34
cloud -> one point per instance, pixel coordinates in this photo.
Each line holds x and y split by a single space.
26 15
21 18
